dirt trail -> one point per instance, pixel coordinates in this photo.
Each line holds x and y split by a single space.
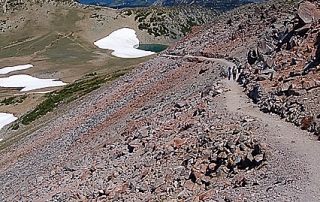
284 135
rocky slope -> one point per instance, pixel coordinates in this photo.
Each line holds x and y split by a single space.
284 75
279 57
169 131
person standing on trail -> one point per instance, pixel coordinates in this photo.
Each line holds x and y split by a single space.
239 68
234 73
229 73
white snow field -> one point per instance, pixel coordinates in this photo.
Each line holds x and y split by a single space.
6 119
6 70
25 82
123 42
28 83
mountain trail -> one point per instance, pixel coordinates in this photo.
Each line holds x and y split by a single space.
221 61
284 135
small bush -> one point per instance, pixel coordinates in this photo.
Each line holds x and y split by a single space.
15 126
91 74
8 101
306 122
128 12
14 99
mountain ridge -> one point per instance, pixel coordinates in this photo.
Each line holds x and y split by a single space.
218 5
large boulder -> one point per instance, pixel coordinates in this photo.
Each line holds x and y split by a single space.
268 63
255 93
308 12
317 56
264 48
252 57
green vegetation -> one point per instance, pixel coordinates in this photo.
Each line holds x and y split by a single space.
13 99
66 50
25 46
8 101
66 95
173 22
141 14
188 26
15 126
66 23
128 12
55 48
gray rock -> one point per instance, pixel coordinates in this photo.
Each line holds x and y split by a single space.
69 167
308 12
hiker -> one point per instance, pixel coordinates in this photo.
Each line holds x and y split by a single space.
229 73
239 68
234 72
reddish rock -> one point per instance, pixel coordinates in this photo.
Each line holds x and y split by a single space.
189 185
124 187
144 173
84 176
181 104
308 12
212 166
203 168
177 142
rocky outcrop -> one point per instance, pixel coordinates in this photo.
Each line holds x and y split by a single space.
287 67
283 62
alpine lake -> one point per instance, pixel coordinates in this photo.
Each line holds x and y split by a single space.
152 47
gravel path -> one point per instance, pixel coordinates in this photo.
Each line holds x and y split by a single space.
284 136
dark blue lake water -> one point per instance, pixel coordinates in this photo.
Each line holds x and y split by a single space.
152 47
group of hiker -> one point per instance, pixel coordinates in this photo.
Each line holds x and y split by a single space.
233 72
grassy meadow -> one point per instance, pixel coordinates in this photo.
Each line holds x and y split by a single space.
58 47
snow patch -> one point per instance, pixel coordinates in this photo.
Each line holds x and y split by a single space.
6 119
6 70
28 83
123 42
